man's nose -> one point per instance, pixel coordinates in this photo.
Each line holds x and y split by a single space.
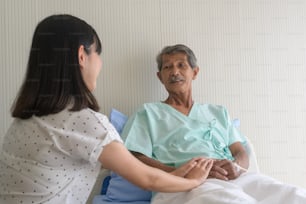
175 70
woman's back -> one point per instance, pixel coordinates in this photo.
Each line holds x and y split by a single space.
53 157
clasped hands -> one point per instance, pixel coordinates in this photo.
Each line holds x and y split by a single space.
220 169
225 170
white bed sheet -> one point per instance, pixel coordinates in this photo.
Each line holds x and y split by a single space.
249 188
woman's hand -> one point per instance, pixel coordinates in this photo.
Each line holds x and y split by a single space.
185 168
200 170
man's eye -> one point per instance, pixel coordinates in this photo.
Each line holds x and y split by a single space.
181 65
165 67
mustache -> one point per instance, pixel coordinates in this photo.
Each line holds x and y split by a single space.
176 79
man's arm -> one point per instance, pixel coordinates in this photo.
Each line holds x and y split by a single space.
118 159
181 171
240 155
228 170
152 162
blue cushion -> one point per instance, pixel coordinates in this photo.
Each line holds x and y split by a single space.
101 199
120 189
118 119
105 185
114 187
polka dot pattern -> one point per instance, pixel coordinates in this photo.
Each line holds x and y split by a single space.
53 159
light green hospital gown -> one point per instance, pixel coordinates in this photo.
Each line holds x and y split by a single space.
161 132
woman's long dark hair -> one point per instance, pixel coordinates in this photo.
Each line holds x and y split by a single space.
53 79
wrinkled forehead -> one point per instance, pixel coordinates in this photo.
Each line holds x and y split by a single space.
174 57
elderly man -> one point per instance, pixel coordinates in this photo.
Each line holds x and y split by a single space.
167 134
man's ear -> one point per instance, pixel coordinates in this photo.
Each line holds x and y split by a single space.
195 72
158 74
82 56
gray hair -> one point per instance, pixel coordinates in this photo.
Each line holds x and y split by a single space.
178 48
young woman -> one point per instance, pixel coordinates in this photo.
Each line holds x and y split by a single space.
53 151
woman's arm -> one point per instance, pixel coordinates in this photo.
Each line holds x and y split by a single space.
181 171
117 158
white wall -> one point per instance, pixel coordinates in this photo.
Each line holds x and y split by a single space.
251 54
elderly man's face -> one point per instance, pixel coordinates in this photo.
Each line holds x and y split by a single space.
176 74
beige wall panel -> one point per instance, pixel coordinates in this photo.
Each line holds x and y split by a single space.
251 55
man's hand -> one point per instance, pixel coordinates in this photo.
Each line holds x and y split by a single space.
225 170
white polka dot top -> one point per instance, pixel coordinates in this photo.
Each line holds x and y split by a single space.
54 158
